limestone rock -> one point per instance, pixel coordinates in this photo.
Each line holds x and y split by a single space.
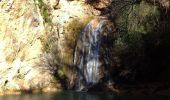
20 31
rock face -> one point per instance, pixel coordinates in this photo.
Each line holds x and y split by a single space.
47 45
21 48
68 22
29 32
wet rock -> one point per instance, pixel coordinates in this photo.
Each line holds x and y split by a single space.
89 58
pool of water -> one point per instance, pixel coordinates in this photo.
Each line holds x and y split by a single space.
71 95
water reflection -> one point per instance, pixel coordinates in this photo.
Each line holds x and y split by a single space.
69 95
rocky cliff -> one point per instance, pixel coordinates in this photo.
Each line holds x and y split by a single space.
33 34
38 41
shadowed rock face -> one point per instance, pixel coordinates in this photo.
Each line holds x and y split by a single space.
88 56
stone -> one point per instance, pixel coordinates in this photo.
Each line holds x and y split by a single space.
88 57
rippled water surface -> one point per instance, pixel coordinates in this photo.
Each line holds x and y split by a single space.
70 95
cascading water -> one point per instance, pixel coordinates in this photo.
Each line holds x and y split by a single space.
87 53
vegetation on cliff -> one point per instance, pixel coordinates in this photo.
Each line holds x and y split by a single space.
38 39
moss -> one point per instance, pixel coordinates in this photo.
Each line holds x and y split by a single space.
135 21
71 35
74 28
47 47
61 73
142 18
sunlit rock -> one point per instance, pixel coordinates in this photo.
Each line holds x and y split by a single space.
20 47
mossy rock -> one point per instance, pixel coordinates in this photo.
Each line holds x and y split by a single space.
135 21
142 18
139 18
74 28
71 35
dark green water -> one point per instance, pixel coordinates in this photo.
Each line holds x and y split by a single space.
70 95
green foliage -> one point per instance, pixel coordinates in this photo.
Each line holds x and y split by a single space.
44 11
61 73
47 47
142 18
134 22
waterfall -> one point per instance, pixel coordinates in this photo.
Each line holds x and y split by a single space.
87 53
